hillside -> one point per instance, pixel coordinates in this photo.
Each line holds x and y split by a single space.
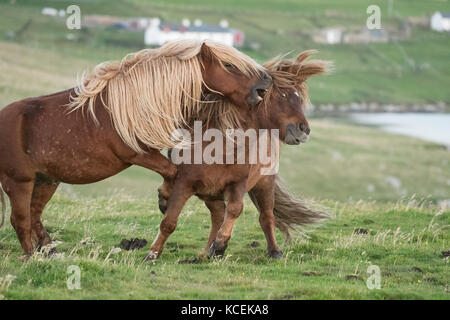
413 69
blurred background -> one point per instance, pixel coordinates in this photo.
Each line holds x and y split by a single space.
380 122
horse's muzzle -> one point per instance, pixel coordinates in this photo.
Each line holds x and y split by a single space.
258 91
297 133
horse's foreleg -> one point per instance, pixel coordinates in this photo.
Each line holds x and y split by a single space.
217 210
234 195
42 193
180 194
157 162
263 194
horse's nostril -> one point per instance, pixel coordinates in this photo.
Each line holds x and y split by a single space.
305 128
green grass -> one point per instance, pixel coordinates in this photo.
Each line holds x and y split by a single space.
413 70
401 237
365 177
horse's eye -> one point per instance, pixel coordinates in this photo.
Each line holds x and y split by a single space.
283 95
229 65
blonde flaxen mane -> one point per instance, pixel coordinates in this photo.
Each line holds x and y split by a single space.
153 92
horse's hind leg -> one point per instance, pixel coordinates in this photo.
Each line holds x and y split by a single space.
20 198
217 210
177 199
42 193
263 194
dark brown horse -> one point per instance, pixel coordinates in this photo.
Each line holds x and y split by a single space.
223 186
42 143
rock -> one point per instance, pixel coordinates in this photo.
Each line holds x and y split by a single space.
361 231
416 269
353 277
189 261
311 274
132 244
255 244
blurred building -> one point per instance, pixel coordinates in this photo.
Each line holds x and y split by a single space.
366 36
158 34
354 35
440 21
328 35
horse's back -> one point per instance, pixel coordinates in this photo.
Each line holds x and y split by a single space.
42 135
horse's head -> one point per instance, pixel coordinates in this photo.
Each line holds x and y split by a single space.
233 74
288 97
286 113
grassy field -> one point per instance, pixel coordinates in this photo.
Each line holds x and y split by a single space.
412 70
405 240
392 186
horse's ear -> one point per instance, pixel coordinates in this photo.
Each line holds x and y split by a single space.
205 53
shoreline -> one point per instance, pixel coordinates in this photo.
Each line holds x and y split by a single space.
374 107
430 127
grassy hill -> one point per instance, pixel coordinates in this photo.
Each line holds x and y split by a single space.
412 70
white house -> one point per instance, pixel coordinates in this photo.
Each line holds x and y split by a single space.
49 12
440 21
329 36
158 34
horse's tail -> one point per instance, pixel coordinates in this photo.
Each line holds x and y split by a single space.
291 212
3 203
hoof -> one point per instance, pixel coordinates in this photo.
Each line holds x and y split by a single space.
217 250
52 252
151 256
47 250
275 254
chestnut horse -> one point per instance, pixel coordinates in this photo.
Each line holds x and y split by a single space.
222 186
131 109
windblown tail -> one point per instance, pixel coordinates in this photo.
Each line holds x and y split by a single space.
3 204
291 213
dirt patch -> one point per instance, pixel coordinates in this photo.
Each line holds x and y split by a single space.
132 244
417 269
361 231
190 261
311 274
255 244
353 277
